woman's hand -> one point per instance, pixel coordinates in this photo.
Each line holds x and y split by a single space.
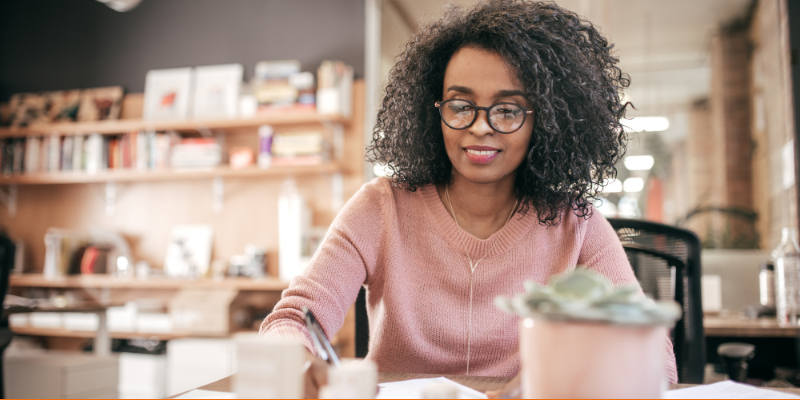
315 372
512 390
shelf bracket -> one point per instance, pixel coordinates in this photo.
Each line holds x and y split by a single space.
337 192
218 194
9 198
111 198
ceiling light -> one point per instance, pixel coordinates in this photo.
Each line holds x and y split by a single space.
121 5
633 185
639 163
612 186
645 124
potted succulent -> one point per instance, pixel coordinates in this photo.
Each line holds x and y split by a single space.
580 337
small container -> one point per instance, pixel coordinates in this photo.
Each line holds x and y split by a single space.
766 285
265 133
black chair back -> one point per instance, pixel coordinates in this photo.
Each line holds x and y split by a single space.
666 262
7 251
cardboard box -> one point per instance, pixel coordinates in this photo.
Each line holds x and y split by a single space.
202 311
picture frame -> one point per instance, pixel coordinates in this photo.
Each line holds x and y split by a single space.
167 94
189 251
100 104
28 109
63 105
216 91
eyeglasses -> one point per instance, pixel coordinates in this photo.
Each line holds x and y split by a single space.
502 117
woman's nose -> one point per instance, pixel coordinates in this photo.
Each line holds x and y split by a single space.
481 126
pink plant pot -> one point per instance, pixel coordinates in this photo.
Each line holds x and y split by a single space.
591 360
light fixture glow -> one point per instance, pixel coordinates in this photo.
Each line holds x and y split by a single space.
639 163
645 124
633 185
612 186
380 170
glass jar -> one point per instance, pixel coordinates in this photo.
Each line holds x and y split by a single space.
787 272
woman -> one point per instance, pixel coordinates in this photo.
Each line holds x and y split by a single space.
499 126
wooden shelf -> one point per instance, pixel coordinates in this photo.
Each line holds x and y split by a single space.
107 281
129 175
128 125
61 332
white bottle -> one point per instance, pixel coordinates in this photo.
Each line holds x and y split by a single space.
787 271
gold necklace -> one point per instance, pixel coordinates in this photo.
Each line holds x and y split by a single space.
473 266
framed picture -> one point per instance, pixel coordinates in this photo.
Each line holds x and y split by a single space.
63 105
28 109
167 93
189 251
99 104
216 91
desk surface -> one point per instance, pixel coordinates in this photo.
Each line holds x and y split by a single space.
479 383
738 326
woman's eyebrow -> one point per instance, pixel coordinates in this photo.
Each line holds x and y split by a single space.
461 89
510 93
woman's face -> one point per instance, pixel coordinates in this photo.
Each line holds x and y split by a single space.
479 153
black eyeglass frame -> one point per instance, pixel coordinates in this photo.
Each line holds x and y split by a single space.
527 112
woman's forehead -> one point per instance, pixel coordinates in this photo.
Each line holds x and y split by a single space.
479 72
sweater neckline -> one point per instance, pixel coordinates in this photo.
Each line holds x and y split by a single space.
506 238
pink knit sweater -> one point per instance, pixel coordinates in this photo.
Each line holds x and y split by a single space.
405 248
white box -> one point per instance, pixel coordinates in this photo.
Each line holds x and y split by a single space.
269 368
142 376
711 289
49 320
80 321
122 319
55 374
154 323
192 363
18 320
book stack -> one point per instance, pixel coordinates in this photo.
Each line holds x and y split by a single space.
196 153
87 153
334 88
299 148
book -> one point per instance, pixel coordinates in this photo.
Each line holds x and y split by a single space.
19 156
94 153
32 147
77 154
66 153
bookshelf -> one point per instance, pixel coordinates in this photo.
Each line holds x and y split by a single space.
150 203
68 333
101 281
290 117
128 175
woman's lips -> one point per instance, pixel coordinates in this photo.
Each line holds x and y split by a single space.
481 154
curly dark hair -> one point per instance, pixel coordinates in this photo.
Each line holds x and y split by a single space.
569 74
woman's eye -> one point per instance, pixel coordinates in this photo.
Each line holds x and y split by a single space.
461 108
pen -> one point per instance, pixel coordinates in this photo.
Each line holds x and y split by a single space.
324 349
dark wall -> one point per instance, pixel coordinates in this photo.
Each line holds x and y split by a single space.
68 44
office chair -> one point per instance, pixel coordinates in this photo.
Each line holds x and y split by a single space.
7 249
666 262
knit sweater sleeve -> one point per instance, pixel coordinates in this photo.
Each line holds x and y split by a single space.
603 252
345 259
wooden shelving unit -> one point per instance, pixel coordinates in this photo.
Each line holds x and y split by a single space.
110 282
32 331
131 175
126 125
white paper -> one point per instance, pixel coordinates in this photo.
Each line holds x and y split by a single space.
206 394
412 389
727 390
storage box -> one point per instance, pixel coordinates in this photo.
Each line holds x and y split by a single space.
57 375
142 376
49 320
193 363
202 311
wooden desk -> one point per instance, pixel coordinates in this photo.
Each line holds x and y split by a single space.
737 326
479 383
